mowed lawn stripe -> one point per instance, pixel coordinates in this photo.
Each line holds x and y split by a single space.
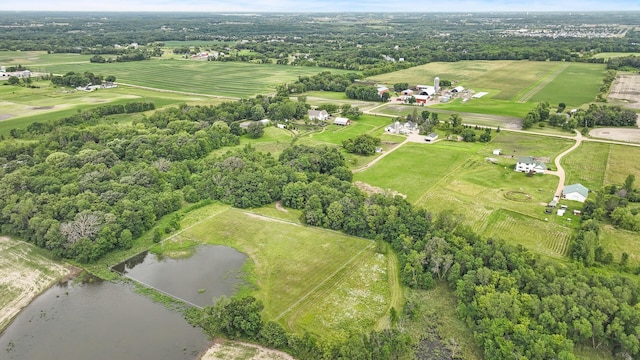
290 260
539 85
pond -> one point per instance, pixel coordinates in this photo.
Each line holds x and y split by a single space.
102 320
99 320
212 271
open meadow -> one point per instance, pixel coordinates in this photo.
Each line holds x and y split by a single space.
309 278
25 272
494 200
232 79
22 106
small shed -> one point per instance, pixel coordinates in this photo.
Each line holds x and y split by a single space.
457 89
497 152
431 137
561 212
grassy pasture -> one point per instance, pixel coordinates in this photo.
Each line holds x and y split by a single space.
511 79
576 85
623 160
23 106
302 274
460 72
34 59
486 105
335 134
233 79
587 164
494 200
618 241
609 55
25 271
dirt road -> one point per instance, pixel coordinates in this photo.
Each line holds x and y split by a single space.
560 170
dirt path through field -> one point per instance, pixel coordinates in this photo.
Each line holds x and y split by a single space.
237 350
375 161
542 83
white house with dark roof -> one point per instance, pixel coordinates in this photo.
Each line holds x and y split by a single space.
321 115
528 163
575 192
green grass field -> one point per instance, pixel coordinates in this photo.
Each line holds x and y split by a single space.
23 106
308 278
609 55
623 160
233 79
587 165
494 199
576 85
618 241
513 87
34 59
460 72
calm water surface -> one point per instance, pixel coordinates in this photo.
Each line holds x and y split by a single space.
99 321
212 271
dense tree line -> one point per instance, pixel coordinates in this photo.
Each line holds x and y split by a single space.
611 205
620 63
365 92
603 115
73 79
300 40
364 144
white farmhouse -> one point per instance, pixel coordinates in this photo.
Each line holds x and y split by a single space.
321 115
528 163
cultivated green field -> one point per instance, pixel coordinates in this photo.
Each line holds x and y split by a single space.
513 87
576 85
495 200
609 55
25 271
308 278
233 79
34 59
460 72
22 106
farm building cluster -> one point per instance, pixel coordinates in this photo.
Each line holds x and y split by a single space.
4 74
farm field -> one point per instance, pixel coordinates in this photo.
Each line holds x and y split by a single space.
514 87
308 278
232 79
493 199
23 106
24 273
35 59
578 84
460 72
609 55
587 164
623 160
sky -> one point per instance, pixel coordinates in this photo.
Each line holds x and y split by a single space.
321 5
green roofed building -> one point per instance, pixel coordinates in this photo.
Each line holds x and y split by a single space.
575 192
